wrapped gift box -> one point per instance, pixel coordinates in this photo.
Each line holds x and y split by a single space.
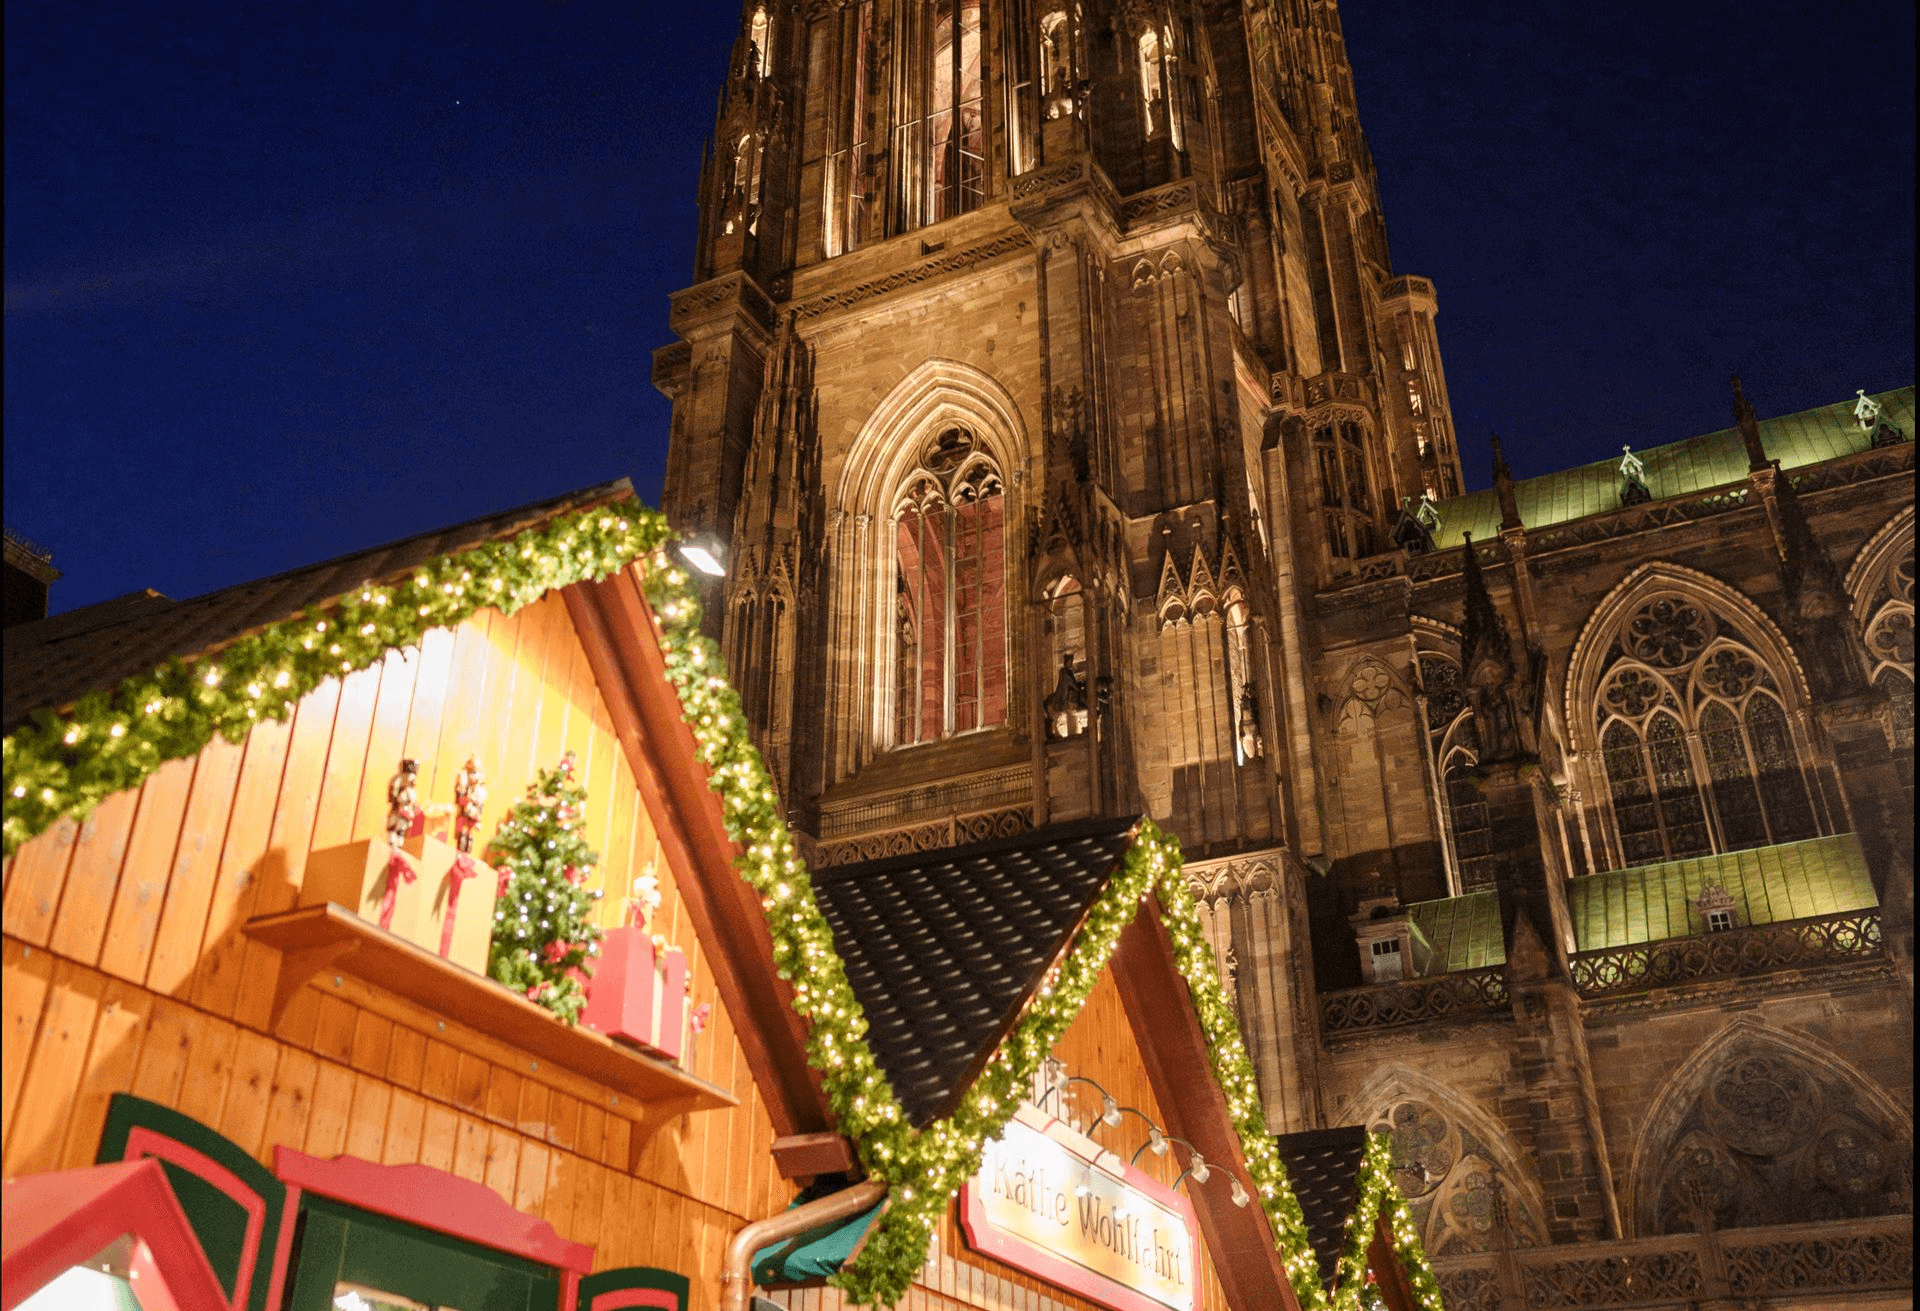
456 920
356 876
639 994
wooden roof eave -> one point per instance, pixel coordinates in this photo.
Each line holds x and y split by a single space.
1173 1047
617 629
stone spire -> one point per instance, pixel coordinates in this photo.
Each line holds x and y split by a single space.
1817 600
1503 488
1484 634
1749 430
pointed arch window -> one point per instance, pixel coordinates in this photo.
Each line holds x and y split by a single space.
940 141
1346 496
848 190
950 653
1697 749
1889 633
1160 85
1456 749
759 41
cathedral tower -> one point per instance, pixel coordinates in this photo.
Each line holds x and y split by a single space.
1043 359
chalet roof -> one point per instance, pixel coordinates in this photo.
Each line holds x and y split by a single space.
53 662
1324 1167
942 948
1694 465
1651 903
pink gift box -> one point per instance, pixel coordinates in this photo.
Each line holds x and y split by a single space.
639 994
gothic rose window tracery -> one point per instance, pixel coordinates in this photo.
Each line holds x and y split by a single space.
950 659
1771 1138
1460 1199
1695 742
1668 633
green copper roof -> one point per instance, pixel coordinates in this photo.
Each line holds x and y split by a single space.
1822 876
1694 465
1464 932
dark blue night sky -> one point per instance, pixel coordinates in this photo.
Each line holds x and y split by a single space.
283 282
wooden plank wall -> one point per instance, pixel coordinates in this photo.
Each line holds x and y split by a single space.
125 968
1100 1046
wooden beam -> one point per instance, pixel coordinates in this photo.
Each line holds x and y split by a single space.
330 937
1174 1049
617 629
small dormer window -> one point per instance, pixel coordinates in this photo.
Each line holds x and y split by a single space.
1716 907
1387 960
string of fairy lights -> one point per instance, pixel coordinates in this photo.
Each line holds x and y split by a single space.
62 766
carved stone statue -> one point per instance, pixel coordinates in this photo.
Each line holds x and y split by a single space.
1633 479
1066 705
1248 726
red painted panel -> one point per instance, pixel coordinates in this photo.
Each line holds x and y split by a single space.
142 1141
433 1199
53 1221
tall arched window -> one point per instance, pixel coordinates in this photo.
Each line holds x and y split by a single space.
1456 749
941 137
1889 634
1160 85
1695 742
1339 450
949 534
760 39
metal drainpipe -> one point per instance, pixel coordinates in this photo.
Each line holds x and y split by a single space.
736 1275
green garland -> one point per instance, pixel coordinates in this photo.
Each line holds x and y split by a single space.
63 766
925 1168
1377 1190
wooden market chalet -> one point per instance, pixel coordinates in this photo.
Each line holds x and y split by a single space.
253 1059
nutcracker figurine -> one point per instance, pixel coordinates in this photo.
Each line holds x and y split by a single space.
403 801
469 799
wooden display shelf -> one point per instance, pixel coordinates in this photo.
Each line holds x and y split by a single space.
313 939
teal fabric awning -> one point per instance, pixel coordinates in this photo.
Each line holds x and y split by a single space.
814 1254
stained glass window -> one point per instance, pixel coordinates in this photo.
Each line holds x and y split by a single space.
1687 701
950 595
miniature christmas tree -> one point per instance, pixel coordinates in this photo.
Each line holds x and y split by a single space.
543 934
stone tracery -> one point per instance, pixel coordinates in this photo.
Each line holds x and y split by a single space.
1463 1199
1770 1137
1694 725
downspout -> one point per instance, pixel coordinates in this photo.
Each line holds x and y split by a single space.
736 1274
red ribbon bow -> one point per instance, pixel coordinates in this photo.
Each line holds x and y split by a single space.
399 870
464 868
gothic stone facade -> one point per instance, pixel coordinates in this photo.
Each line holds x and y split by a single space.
1049 383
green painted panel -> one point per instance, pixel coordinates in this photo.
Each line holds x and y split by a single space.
218 1220
339 1243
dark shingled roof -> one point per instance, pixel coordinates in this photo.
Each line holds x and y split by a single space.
52 663
944 947
1323 1165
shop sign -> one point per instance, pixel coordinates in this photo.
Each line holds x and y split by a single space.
1049 1201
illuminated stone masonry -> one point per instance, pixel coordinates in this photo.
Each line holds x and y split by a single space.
1082 453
